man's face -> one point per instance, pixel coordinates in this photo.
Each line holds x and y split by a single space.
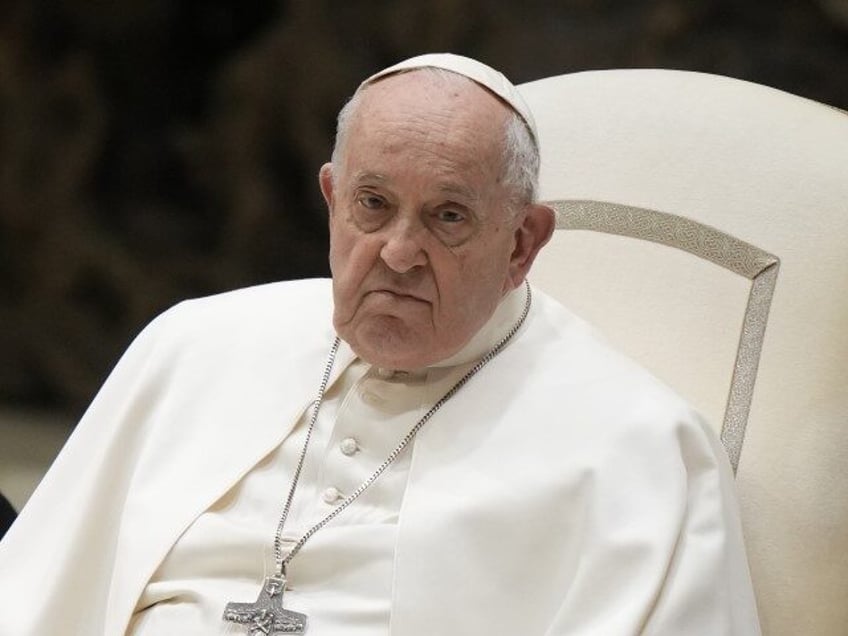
421 241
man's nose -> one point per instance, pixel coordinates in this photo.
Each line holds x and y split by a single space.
403 249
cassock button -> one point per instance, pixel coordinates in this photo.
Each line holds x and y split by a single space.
348 446
331 495
369 397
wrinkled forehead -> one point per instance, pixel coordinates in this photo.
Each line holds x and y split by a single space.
434 96
483 75
418 121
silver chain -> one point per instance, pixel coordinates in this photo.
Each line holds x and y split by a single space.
316 406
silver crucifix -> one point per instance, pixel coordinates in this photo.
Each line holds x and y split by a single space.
266 616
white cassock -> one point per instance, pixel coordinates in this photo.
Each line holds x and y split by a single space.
563 490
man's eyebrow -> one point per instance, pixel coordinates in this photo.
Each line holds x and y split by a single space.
449 188
461 191
370 177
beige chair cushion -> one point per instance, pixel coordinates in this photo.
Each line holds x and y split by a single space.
771 169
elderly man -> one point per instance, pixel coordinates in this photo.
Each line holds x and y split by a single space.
467 459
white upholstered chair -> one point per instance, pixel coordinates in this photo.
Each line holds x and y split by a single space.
754 181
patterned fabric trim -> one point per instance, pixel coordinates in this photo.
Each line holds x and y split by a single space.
706 242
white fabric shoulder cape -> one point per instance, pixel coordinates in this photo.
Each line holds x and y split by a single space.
562 491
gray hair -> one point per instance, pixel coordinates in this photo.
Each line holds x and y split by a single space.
520 150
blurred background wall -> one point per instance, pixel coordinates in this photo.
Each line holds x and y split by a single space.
153 150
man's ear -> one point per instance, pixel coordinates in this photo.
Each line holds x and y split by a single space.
535 229
325 180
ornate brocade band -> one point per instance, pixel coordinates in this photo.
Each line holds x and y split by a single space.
708 243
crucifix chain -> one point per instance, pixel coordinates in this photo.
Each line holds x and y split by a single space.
266 615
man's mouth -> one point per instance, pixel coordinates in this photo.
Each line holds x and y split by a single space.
398 294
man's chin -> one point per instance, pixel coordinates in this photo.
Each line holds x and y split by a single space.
388 343
397 358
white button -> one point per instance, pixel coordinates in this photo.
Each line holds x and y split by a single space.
369 397
331 495
348 446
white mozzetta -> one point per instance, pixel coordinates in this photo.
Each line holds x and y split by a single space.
563 490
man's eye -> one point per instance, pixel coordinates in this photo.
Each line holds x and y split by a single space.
450 216
371 202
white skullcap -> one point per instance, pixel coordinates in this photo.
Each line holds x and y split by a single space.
486 76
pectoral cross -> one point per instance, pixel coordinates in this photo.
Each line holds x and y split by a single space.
266 617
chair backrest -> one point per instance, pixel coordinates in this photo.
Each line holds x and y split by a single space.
749 178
